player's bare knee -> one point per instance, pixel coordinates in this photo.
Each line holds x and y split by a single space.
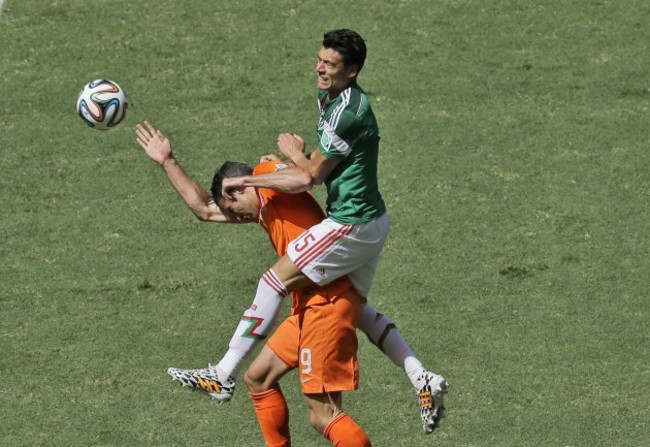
319 421
254 382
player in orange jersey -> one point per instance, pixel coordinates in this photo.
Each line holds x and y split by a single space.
319 338
282 223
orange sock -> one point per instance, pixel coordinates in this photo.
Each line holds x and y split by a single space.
344 432
273 416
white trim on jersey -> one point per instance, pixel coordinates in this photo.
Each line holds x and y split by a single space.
361 99
336 115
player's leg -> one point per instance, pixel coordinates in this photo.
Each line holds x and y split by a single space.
328 362
327 417
430 387
383 333
377 326
276 358
271 409
256 323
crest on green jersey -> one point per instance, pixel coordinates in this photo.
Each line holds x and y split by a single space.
325 141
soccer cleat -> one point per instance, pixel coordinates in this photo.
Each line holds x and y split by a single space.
206 381
430 398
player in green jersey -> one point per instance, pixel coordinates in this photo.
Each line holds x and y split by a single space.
350 240
346 161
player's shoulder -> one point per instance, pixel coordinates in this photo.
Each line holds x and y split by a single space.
269 166
355 100
354 93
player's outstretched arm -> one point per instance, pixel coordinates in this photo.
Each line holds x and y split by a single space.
158 148
290 180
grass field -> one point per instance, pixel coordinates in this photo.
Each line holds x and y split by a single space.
514 163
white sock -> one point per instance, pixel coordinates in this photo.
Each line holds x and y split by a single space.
256 323
383 333
414 369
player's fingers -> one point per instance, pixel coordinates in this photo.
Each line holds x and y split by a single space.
139 132
143 131
229 191
150 128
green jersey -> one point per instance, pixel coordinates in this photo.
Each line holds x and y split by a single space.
348 131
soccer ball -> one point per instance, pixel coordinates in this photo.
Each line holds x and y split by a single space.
102 104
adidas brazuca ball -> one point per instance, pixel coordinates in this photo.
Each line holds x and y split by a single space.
102 104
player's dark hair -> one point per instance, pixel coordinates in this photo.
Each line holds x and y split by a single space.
227 170
349 44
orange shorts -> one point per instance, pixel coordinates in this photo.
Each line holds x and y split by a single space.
320 340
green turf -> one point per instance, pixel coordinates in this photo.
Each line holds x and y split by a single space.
514 163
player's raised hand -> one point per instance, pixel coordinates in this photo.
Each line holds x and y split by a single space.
155 144
269 157
291 145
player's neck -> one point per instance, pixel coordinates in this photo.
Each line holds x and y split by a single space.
332 95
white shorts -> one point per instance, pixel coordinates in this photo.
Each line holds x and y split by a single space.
329 250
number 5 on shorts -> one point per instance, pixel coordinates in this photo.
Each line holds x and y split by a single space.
304 241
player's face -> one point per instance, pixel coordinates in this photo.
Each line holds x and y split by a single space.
243 208
333 75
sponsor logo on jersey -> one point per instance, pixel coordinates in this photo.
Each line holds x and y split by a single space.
326 141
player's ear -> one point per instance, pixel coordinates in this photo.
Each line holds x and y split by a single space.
353 70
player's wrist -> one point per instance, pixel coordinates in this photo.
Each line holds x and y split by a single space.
168 162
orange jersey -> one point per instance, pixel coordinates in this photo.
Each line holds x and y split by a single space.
286 216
